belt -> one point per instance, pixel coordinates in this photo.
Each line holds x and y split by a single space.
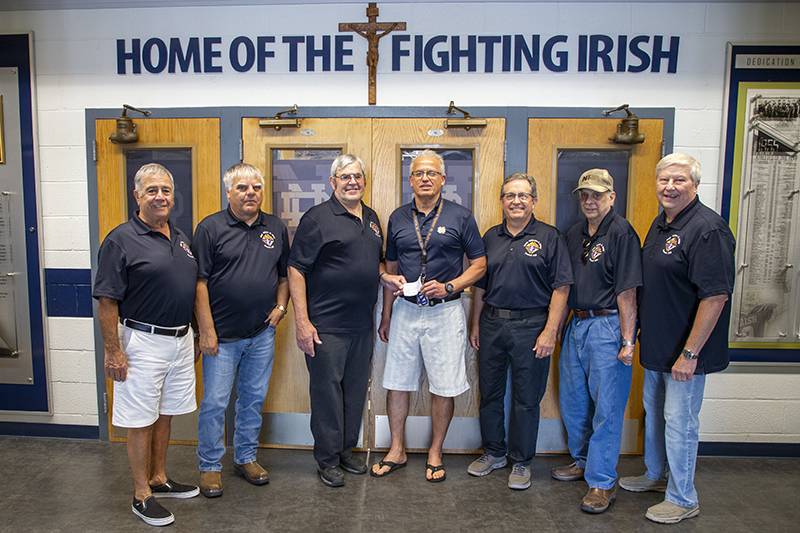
433 301
158 330
591 313
496 312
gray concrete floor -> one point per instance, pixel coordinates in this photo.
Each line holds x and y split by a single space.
72 485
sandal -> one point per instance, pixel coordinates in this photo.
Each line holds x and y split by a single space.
433 470
392 467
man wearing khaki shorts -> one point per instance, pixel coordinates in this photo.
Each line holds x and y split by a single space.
426 243
145 285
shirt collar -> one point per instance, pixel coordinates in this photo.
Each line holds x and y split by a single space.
530 229
338 209
602 228
143 229
232 220
683 217
435 207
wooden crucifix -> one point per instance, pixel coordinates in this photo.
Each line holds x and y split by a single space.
372 31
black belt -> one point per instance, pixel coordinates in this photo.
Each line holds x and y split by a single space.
496 312
591 313
158 330
433 301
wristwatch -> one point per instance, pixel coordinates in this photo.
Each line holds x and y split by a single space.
449 288
628 342
688 354
281 308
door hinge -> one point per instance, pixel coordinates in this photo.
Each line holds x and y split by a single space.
505 150
94 151
105 403
241 150
663 149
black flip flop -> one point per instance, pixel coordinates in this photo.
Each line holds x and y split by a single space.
392 467
433 470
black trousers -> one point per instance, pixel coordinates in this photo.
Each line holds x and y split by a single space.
338 378
507 342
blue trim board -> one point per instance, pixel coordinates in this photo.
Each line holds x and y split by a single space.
15 52
749 449
69 292
64 431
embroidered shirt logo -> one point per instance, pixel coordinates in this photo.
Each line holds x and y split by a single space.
441 230
532 247
268 239
375 228
597 251
672 242
186 249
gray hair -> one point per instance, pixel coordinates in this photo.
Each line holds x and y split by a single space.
683 160
345 160
430 154
520 176
151 169
241 171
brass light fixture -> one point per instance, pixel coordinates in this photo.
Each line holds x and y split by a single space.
627 128
126 129
466 122
278 121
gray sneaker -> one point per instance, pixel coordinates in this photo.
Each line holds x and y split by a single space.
669 513
485 465
643 484
520 477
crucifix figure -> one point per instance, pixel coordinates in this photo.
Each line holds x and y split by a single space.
372 31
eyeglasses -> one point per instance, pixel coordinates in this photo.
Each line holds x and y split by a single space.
344 178
431 174
587 250
522 196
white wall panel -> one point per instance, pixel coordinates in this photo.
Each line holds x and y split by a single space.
72 366
67 333
62 163
66 233
64 198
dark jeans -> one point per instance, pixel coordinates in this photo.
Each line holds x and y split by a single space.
503 342
338 378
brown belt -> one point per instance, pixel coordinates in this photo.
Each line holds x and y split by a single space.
591 313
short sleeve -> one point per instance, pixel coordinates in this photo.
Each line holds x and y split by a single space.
711 263
306 246
112 273
203 251
391 244
283 262
560 266
627 262
471 239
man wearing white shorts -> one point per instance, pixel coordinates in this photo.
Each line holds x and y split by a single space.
426 243
145 285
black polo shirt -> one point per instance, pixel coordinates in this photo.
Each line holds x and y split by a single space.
153 278
242 265
523 270
455 234
613 265
684 261
339 255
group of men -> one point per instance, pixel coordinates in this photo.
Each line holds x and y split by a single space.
239 271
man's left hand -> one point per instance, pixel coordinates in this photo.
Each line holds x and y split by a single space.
434 289
275 317
545 344
683 369
625 355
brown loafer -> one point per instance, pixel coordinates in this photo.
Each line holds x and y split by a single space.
597 501
253 472
211 484
570 472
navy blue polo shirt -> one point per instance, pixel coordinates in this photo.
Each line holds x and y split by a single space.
339 255
523 270
242 265
153 278
684 261
455 234
613 263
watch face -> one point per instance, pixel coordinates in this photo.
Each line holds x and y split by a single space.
448 287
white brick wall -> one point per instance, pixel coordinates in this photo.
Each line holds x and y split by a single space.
76 69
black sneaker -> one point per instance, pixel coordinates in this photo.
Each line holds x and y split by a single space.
173 489
331 476
352 464
152 512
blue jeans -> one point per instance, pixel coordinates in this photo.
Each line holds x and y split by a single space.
251 361
672 422
593 391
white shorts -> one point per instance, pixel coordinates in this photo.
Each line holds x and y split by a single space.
160 380
434 336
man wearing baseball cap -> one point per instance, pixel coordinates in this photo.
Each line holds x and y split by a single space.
597 351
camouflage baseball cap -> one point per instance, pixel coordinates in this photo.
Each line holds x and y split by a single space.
596 179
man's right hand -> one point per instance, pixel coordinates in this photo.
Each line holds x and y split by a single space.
307 337
393 282
209 344
474 336
115 364
383 328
